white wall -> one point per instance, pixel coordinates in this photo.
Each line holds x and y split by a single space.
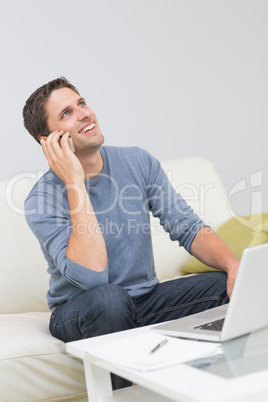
177 77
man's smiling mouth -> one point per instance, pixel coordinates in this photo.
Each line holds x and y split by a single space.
87 128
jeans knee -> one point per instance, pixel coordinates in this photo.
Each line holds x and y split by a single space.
111 310
95 312
113 301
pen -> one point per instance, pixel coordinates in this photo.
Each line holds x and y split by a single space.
157 347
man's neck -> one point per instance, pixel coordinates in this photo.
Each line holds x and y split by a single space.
92 164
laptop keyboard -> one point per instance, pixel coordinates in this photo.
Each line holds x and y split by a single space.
213 326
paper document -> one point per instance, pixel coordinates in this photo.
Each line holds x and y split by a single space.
136 352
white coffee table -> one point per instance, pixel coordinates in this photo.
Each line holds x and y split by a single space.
240 374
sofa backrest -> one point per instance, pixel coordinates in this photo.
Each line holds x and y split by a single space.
23 275
197 180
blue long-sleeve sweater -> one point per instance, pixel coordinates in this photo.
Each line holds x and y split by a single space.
131 185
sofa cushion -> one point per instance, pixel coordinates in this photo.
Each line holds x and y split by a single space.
239 233
34 365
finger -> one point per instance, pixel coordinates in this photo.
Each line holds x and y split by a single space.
64 142
48 139
229 289
51 147
54 141
45 150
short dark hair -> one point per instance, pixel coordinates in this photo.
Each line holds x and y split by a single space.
34 113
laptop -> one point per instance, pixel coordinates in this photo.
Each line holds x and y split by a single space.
247 310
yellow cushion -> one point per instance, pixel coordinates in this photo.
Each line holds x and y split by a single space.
239 233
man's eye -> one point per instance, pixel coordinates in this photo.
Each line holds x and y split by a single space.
81 103
65 113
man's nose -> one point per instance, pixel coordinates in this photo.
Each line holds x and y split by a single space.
83 114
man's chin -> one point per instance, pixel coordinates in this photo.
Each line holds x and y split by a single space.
89 148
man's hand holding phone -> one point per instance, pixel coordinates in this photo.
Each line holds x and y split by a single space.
61 159
70 141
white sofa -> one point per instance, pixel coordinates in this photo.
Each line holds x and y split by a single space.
33 365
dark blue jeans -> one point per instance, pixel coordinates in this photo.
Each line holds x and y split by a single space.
109 308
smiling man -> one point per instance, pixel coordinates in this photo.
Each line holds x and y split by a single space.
91 215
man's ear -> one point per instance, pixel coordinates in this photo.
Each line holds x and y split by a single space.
41 136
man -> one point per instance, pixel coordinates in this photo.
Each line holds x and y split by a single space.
101 266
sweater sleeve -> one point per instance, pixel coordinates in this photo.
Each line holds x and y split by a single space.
175 215
51 224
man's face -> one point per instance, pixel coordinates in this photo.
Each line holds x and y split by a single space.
67 111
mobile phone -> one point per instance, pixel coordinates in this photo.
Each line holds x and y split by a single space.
70 141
